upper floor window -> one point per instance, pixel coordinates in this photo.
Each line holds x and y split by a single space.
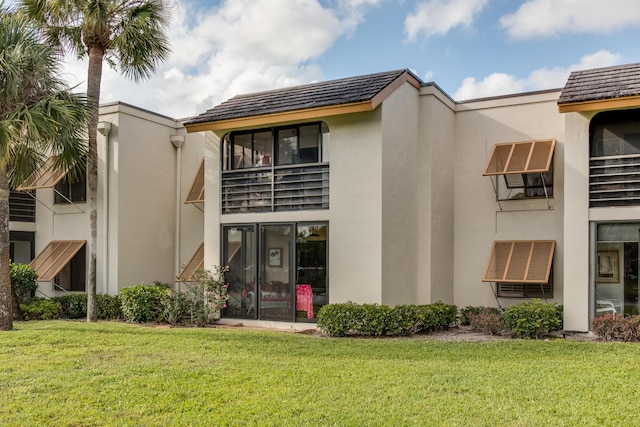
614 164
522 170
276 169
68 191
281 146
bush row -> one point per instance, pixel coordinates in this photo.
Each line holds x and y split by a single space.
619 328
349 318
71 306
137 304
530 319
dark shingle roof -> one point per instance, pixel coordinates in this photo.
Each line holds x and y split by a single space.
323 94
601 83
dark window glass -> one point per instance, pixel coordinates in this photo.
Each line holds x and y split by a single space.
288 146
71 191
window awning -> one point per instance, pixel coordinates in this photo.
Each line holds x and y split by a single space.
47 176
195 263
196 193
520 261
54 257
520 158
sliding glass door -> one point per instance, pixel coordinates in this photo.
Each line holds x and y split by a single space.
239 245
276 271
275 279
616 268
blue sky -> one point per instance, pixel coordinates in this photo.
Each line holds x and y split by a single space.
470 48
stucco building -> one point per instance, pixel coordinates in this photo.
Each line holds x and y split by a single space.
381 189
146 232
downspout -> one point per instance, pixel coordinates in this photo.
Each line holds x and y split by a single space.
105 129
178 142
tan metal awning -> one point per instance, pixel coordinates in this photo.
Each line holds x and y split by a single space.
54 257
520 157
195 263
196 193
47 176
520 261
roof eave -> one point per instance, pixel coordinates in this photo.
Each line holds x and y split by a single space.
286 116
308 113
600 104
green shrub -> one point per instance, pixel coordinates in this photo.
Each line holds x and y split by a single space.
617 328
338 320
405 320
74 305
176 307
488 320
374 320
377 320
23 280
143 303
444 315
41 309
533 319
108 307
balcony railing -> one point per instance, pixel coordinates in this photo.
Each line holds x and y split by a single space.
22 206
614 181
281 188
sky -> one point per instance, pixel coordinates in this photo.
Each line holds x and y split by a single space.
469 48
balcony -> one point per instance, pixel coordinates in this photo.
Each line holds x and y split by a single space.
614 181
281 188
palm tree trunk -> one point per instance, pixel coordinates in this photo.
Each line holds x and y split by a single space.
94 77
6 298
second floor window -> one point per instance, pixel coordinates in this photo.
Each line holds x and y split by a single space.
68 191
281 146
276 169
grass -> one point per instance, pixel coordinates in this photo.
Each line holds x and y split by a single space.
67 373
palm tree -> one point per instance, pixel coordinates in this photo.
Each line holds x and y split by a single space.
38 117
129 35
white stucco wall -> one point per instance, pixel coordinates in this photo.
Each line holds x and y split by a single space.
478 217
435 197
355 213
400 195
576 222
141 201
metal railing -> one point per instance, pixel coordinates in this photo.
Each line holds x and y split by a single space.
22 206
281 188
614 181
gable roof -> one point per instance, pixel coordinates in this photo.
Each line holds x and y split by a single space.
362 93
599 88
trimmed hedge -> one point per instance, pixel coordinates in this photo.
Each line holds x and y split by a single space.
71 306
143 303
74 306
41 309
533 319
338 320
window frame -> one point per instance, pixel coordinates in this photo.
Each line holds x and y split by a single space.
68 192
525 161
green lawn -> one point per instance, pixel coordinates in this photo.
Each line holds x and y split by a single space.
65 373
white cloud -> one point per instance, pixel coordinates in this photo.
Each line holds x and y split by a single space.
543 78
236 47
438 17
540 18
